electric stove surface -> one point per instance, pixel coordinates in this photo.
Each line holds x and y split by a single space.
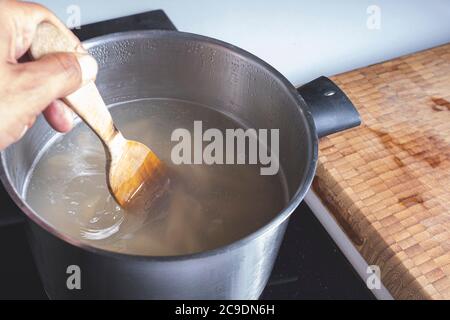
309 265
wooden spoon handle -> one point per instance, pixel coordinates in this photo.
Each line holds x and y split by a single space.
86 101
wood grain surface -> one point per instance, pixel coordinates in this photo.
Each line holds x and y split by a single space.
388 182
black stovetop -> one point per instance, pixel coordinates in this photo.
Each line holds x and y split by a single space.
309 266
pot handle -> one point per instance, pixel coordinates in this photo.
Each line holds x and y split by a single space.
331 109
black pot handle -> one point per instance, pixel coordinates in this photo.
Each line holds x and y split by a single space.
331 109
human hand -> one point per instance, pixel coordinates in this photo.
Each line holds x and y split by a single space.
27 89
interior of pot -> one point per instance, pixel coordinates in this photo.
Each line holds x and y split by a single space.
182 66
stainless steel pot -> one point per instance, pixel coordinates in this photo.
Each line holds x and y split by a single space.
169 64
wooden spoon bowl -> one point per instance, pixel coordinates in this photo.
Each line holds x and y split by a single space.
131 167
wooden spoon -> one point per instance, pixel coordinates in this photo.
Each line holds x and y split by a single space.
131 167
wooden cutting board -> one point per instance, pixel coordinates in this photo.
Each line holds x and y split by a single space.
388 182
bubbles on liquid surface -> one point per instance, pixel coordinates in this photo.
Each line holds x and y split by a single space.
203 207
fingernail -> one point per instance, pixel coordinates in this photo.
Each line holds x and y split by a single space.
24 131
80 49
65 111
89 67
68 114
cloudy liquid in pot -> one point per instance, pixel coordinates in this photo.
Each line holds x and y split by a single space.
204 206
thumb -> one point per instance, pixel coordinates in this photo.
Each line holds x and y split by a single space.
54 76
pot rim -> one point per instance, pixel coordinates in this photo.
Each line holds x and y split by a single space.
273 223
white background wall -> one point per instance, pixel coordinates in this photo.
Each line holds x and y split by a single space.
302 39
